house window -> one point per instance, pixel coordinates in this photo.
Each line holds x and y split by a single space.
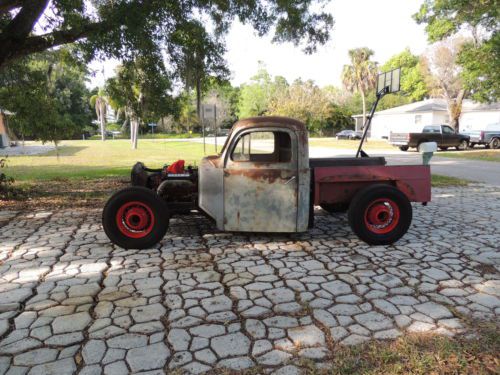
418 119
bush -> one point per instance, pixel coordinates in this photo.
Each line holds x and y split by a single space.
6 189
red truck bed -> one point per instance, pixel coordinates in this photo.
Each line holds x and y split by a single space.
339 183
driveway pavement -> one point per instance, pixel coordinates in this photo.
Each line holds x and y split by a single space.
71 302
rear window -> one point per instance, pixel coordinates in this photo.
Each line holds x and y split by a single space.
431 129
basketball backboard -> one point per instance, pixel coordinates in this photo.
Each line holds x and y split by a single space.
389 80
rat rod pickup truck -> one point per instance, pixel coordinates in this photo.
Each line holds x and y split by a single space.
264 181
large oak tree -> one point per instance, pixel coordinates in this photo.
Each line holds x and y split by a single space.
125 28
480 57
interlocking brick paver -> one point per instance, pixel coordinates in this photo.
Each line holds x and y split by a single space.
72 302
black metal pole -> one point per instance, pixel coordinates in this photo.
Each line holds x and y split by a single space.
368 120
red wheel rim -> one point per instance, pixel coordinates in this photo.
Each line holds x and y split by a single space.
135 219
382 216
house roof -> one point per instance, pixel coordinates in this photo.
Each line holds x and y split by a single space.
436 105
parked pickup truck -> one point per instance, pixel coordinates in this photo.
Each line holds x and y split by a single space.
490 136
443 135
264 181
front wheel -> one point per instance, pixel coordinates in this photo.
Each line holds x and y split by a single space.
380 214
404 148
443 148
135 218
495 143
462 145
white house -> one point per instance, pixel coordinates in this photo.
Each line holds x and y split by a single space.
413 117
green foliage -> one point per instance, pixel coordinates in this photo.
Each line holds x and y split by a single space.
481 73
479 59
142 89
122 29
255 96
47 93
339 118
360 75
412 80
6 189
304 101
113 126
446 17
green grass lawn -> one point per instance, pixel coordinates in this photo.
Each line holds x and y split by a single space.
444 181
154 136
97 159
350 144
487 155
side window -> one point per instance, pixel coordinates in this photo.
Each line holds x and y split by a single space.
262 146
448 130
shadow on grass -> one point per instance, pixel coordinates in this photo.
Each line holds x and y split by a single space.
64 151
29 173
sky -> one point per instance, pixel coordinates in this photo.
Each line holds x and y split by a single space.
385 26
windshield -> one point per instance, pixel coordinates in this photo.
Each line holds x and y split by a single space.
226 142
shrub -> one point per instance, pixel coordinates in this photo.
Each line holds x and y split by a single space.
6 189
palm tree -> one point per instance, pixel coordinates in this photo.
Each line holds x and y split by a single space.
361 75
100 103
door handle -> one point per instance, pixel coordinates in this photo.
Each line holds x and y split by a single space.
290 180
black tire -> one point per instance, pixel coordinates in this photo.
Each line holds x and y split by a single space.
334 207
495 143
404 148
444 148
463 145
393 207
471 145
150 217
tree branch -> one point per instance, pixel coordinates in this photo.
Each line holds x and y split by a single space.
24 21
39 43
8 5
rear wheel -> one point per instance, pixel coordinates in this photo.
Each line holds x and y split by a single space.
495 143
462 145
403 148
135 218
444 148
380 214
334 207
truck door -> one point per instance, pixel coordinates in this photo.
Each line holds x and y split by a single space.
450 138
261 181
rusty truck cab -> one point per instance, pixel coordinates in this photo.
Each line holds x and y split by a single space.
260 181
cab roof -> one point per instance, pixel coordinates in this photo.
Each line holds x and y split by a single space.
270 121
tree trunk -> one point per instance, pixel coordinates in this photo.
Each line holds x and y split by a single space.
198 99
455 110
363 99
102 119
56 144
134 129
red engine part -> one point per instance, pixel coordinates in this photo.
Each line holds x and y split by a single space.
176 167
